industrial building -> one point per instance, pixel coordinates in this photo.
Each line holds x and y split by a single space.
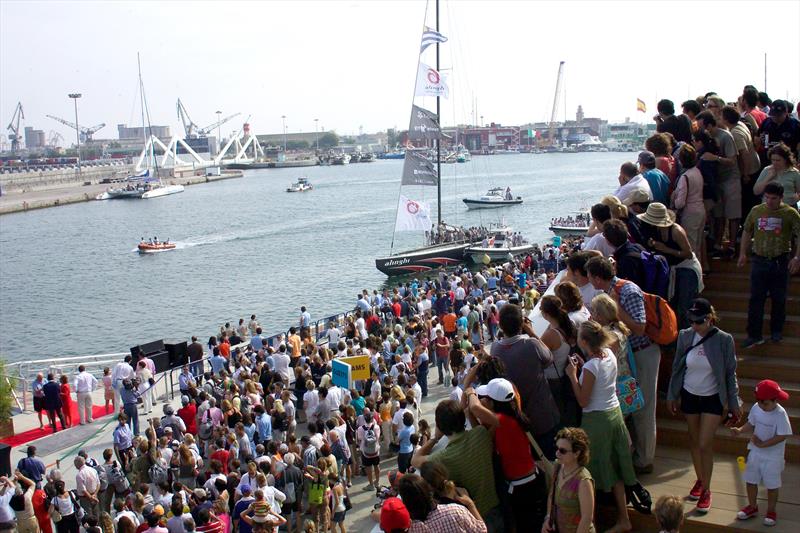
34 138
162 132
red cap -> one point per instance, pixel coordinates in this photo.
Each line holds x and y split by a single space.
394 515
770 390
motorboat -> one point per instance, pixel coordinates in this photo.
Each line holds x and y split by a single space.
501 246
136 188
495 197
571 225
341 159
302 185
163 190
155 246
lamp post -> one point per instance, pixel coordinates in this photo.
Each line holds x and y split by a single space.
219 129
283 118
316 132
75 97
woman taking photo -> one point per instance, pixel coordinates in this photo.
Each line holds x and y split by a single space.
611 464
571 502
559 336
494 406
704 388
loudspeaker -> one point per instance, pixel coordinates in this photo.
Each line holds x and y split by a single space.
178 354
150 349
5 460
161 360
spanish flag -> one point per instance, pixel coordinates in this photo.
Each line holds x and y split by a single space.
640 106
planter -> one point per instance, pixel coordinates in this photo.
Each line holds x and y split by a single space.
6 428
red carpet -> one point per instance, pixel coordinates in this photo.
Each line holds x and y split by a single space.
33 434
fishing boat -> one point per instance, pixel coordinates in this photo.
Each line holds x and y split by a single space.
444 245
301 185
392 155
341 159
494 198
571 225
500 246
155 246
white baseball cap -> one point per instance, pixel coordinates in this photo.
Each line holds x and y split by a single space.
499 390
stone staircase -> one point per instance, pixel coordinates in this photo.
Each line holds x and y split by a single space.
728 289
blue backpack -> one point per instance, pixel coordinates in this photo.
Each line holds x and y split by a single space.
656 273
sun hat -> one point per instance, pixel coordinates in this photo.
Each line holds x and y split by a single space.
498 389
657 215
637 196
770 390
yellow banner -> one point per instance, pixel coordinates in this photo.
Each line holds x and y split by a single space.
359 364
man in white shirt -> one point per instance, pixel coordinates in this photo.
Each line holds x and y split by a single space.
600 214
630 180
84 384
87 486
333 335
281 362
122 370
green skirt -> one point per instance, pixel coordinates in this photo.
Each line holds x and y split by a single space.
610 457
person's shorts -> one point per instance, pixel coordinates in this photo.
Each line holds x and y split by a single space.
764 470
338 517
692 404
288 508
38 403
370 461
729 203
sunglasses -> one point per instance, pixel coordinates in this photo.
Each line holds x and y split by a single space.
563 451
700 321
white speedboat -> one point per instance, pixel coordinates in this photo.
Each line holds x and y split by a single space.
499 247
496 197
302 185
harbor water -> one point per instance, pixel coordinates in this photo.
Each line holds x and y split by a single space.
71 282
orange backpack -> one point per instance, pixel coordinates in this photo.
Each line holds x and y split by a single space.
661 325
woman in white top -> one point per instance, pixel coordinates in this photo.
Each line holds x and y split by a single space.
559 336
610 460
66 505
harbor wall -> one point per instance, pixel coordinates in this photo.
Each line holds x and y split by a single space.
30 181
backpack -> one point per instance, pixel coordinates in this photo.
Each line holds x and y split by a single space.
656 273
158 473
371 444
662 324
206 428
118 479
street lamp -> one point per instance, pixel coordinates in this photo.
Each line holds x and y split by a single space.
219 128
283 118
316 132
75 97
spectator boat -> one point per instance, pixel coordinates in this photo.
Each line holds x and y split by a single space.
302 185
151 247
494 198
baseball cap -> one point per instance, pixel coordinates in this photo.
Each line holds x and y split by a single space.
394 515
637 196
200 493
700 309
778 107
647 158
158 510
499 390
245 488
770 390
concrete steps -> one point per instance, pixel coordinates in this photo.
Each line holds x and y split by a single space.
737 300
793 412
737 321
747 392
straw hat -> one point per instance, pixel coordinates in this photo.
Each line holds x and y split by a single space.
657 215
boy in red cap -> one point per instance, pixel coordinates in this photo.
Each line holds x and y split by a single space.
770 426
394 516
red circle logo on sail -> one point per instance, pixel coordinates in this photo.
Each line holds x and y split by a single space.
412 207
433 76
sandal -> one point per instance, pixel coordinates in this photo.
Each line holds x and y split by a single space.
639 498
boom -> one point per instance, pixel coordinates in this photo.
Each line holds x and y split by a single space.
556 98
86 133
13 127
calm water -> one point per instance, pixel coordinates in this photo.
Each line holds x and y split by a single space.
71 282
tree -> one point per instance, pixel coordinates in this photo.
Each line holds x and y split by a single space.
297 145
329 140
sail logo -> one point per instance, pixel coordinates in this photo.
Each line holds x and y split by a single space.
430 82
433 76
397 262
412 207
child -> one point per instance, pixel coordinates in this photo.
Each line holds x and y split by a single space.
669 514
770 426
109 390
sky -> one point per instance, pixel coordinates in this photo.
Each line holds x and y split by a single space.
353 64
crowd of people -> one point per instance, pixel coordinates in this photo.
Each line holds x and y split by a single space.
549 364
577 221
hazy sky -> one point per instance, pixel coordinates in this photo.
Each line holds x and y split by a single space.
353 63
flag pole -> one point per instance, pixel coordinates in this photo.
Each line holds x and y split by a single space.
439 139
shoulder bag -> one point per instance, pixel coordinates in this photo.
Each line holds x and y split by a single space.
545 464
629 393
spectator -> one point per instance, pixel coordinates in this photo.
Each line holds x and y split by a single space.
783 170
687 199
560 336
669 514
571 503
428 516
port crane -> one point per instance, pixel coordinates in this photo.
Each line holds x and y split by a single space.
53 139
86 133
191 129
13 127
551 135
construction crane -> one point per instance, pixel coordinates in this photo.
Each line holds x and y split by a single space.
203 132
188 124
86 133
552 126
13 127
53 138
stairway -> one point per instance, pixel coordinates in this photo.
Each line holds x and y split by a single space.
728 290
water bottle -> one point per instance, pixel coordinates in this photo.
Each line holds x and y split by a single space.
741 462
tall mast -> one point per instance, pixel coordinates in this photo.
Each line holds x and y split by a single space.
141 102
439 139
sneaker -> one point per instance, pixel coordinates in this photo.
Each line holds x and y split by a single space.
696 491
750 342
368 487
747 512
771 519
704 504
